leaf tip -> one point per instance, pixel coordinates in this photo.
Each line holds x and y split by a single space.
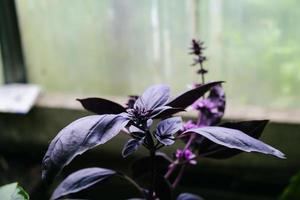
279 154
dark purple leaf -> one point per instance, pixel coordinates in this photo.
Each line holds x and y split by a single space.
131 146
154 97
188 98
78 137
137 135
166 139
101 106
210 149
165 111
188 196
81 180
167 128
236 139
252 128
142 166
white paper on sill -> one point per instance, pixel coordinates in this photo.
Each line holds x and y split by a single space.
18 98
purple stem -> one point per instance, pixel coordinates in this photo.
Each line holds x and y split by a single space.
175 163
188 144
171 169
178 178
202 74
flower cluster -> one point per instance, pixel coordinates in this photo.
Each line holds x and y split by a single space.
131 100
190 124
197 50
186 155
211 109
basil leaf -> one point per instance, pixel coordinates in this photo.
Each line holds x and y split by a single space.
187 98
101 106
78 137
81 180
236 139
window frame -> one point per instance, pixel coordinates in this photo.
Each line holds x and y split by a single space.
12 58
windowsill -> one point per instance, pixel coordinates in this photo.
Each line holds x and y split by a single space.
291 116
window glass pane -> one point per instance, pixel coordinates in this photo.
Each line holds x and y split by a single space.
111 47
254 46
117 47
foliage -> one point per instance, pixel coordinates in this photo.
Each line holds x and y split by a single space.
292 191
152 174
13 191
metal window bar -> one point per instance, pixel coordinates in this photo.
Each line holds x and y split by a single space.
10 43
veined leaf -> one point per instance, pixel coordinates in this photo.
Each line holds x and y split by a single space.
207 148
167 128
81 180
130 147
78 137
155 96
236 139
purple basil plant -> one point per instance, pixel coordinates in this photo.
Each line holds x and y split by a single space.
149 121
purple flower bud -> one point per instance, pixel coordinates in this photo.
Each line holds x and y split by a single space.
178 153
206 104
211 109
186 155
197 50
202 71
131 100
188 125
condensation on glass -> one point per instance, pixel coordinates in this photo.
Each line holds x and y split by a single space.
117 47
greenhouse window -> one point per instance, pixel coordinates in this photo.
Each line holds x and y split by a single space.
102 48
